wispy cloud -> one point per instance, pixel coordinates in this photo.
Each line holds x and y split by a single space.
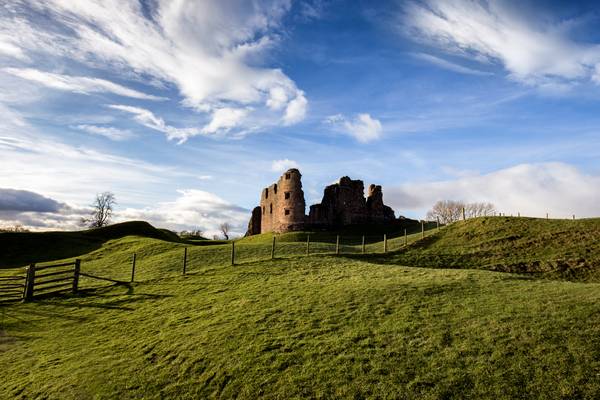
211 51
450 66
109 132
77 84
534 52
149 120
362 127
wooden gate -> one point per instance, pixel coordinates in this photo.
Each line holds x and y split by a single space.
51 279
12 284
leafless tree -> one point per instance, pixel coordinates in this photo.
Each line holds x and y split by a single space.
102 210
14 228
225 229
473 210
449 211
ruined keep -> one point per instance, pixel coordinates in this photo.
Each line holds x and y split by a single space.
282 206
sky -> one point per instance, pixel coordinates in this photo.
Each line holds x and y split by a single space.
186 109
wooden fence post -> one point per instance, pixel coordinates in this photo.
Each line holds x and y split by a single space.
405 238
546 215
422 229
133 268
232 253
464 215
573 217
385 243
76 275
363 244
337 245
437 223
184 259
308 245
273 248
519 214
30 282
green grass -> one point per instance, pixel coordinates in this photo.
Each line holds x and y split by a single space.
322 326
564 249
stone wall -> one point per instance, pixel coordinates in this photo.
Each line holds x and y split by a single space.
344 204
282 206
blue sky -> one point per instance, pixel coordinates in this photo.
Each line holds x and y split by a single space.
186 109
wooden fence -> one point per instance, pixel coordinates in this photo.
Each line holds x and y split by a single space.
12 285
51 279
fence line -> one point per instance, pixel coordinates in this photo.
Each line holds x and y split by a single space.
50 279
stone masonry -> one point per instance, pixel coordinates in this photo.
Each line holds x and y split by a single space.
282 206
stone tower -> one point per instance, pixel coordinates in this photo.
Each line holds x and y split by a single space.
282 204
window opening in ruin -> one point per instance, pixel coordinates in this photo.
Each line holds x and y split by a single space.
287 176
287 212
271 208
275 188
287 195
267 193
263 211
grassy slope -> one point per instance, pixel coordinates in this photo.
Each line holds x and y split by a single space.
319 326
311 327
24 247
552 248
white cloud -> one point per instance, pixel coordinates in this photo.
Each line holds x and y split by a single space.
149 120
296 109
450 66
533 52
283 165
224 119
10 49
363 127
212 51
193 209
77 84
107 131
530 189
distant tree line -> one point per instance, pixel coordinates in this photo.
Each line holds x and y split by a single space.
448 211
14 228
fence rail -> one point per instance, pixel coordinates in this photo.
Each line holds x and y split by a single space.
12 285
64 280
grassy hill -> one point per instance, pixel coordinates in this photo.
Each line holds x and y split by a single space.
321 326
565 249
20 248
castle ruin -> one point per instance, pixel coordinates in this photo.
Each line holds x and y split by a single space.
282 206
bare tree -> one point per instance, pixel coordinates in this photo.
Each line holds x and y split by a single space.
14 228
102 210
225 229
449 211
473 210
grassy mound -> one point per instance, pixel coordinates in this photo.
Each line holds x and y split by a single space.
313 327
26 247
567 249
